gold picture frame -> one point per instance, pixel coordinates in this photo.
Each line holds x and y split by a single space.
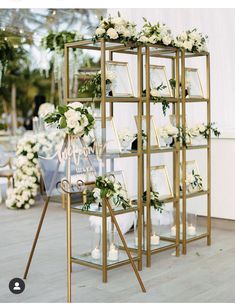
123 79
159 72
155 140
193 83
163 185
110 129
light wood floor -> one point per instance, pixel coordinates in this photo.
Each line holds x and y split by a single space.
206 274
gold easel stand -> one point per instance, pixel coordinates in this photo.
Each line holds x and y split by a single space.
68 220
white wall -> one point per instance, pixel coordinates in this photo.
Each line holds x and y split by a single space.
219 24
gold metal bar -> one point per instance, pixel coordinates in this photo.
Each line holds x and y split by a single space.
177 159
68 216
106 203
184 207
103 126
148 158
36 236
208 152
66 71
140 155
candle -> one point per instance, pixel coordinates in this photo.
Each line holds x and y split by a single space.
155 240
113 253
191 230
95 254
136 241
173 230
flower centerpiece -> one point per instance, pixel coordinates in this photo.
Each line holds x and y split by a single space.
93 84
126 136
75 118
115 28
155 34
26 176
167 133
192 41
193 182
154 200
107 187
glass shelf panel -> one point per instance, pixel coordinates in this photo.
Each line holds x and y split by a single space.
86 257
200 231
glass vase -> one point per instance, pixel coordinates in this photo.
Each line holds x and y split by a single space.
113 246
191 224
96 248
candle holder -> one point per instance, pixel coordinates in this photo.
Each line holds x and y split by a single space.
173 223
113 246
96 248
191 224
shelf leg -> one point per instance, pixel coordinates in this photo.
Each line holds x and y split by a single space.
125 245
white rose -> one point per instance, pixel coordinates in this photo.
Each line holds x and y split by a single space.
84 121
27 206
127 33
167 40
30 156
75 105
153 92
31 201
152 39
120 29
99 31
143 39
112 33
72 114
72 123
188 45
78 129
202 128
194 35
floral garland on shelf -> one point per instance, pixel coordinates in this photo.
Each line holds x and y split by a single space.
75 118
115 28
185 134
154 200
93 85
192 41
27 175
155 34
107 187
204 130
193 182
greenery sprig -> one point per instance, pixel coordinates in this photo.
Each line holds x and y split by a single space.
154 200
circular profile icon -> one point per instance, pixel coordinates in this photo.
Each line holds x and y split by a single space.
16 285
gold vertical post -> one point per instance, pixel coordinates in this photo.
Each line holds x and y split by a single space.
103 126
69 241
208 152
140 154
148 157
184 208
177 159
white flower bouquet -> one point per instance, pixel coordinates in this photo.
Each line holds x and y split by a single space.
203 131
192 41
116 28
193 182
26 176
75 118
155 34
126 136
167 133
107 187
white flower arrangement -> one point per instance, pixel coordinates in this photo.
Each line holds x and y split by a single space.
45 108
168 131
115 28
193 182
203 130
155 34
75 118
126 136
107 187
192 41
27 175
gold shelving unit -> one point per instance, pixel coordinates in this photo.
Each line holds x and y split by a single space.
184 101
